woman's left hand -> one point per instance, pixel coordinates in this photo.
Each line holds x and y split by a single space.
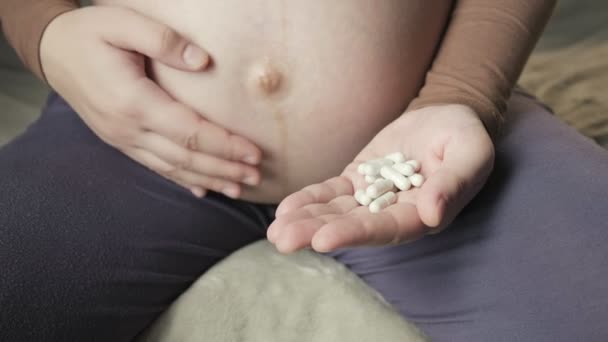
456 154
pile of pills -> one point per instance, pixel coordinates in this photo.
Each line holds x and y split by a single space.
384 175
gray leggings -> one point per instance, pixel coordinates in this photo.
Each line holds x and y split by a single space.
94 246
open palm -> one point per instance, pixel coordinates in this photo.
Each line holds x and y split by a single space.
456 154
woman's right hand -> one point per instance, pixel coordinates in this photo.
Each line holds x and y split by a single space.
95 58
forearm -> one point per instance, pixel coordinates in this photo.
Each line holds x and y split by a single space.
23 23
483 52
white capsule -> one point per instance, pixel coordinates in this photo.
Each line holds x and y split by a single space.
404 169
396 157
382 161
378 188
400 181
371 179
362 198
361 168
382 202
417 180
415 164
372 167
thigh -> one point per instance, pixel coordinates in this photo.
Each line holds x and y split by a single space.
526 260
94 246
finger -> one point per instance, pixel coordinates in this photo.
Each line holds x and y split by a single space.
159 166
299 234
198 191
137 32
186 179
398 223
188 129
458 179
196 162
147 159
301 225
230 189
339 206
316 193
278 225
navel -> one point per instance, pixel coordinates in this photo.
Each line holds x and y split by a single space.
266 79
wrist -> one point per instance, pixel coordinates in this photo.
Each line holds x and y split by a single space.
490 116
493 121
41 53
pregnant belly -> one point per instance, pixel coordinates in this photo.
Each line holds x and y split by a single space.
310 82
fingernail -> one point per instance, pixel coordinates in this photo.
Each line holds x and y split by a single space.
198 192
252 160
251 180
271 235
230 191
195 57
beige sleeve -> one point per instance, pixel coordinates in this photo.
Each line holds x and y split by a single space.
24 22
483 52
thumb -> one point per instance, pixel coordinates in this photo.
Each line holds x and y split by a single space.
136 32
453 185
440 198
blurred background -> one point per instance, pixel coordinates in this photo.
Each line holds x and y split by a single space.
568 70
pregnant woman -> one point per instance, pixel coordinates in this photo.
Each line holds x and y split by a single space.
178 127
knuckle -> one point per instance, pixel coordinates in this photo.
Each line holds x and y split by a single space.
191 141
168 40
115 134
231 148
124 135
184 161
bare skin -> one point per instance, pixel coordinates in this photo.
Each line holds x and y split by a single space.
310 83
